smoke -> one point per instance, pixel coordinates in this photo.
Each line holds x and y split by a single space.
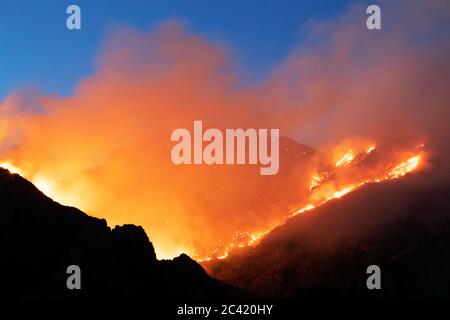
348 81
106 149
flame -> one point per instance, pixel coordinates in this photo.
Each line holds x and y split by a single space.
404 167
370 149
315 182
397 172
346 159
11 168
318 196
225 255
247 239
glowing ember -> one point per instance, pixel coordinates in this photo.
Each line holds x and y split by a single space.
341 193
315 182
302 210
371 148
346 159
404 167
223 256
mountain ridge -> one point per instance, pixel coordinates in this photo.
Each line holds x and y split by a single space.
40 238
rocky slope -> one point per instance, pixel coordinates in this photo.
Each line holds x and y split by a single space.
40 238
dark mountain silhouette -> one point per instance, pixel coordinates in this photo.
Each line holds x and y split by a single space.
40 238
403 226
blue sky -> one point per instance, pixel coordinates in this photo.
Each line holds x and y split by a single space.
36 49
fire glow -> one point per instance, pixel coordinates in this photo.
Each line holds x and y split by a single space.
241 239
44 185
346 159
396 172
399 171
11 168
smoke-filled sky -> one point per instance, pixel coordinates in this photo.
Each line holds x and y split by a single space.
98 128
33 33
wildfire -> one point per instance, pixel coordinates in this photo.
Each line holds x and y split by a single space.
325 196
404 167
395 173
321 190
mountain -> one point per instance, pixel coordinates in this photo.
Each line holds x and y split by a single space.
40 238
403 226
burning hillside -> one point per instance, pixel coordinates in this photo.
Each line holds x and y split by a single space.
400 225
330 179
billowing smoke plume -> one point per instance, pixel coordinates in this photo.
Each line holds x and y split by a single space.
106 149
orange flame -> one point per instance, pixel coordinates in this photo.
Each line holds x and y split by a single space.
346 159
11 168
397 172
317 197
